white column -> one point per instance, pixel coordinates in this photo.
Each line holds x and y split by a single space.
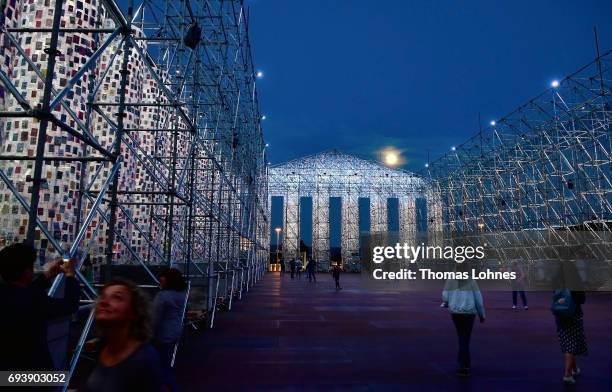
350 227
320 226
407 219
291 225
378 212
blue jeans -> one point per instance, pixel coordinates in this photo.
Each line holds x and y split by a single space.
523 297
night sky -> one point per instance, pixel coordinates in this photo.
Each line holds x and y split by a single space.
361 75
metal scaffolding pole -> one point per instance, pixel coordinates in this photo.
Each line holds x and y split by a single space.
536 184
135 137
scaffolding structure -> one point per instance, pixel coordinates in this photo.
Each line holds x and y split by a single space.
537 184
335 174
133 137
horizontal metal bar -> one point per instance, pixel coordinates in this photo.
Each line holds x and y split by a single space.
157 130
153 104
54 159
61 30
149 39
15 114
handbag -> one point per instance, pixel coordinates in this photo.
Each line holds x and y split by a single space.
563 304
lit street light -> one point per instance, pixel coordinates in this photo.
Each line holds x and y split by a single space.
278 230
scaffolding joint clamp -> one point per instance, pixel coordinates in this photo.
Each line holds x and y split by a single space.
41 114
52 52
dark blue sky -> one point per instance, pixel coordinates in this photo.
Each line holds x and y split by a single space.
362 74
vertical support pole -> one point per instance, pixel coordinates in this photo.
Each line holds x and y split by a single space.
52 52
192 187
110 239
210 267
172 191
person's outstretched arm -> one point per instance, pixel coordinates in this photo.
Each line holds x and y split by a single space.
58 307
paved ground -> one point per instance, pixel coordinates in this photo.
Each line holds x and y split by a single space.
298 336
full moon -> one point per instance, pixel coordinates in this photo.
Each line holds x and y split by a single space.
391 158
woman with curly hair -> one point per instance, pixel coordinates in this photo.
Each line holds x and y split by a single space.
127 360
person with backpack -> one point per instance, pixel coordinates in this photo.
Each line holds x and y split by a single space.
567 309
464 301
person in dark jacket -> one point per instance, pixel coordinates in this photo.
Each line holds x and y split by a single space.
311 269
292 267
168 318
336 275
26 307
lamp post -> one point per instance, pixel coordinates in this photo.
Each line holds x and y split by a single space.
278 230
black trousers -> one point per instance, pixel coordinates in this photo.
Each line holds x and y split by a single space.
464 324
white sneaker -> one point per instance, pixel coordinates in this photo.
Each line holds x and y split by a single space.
525 307
569 380
513 306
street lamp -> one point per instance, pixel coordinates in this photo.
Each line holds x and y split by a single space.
278 230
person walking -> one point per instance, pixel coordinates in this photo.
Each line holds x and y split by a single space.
464 302
168 319
336 275
282 267
127 360
298 268
311 269
570 330
518 284
292 267
26 307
